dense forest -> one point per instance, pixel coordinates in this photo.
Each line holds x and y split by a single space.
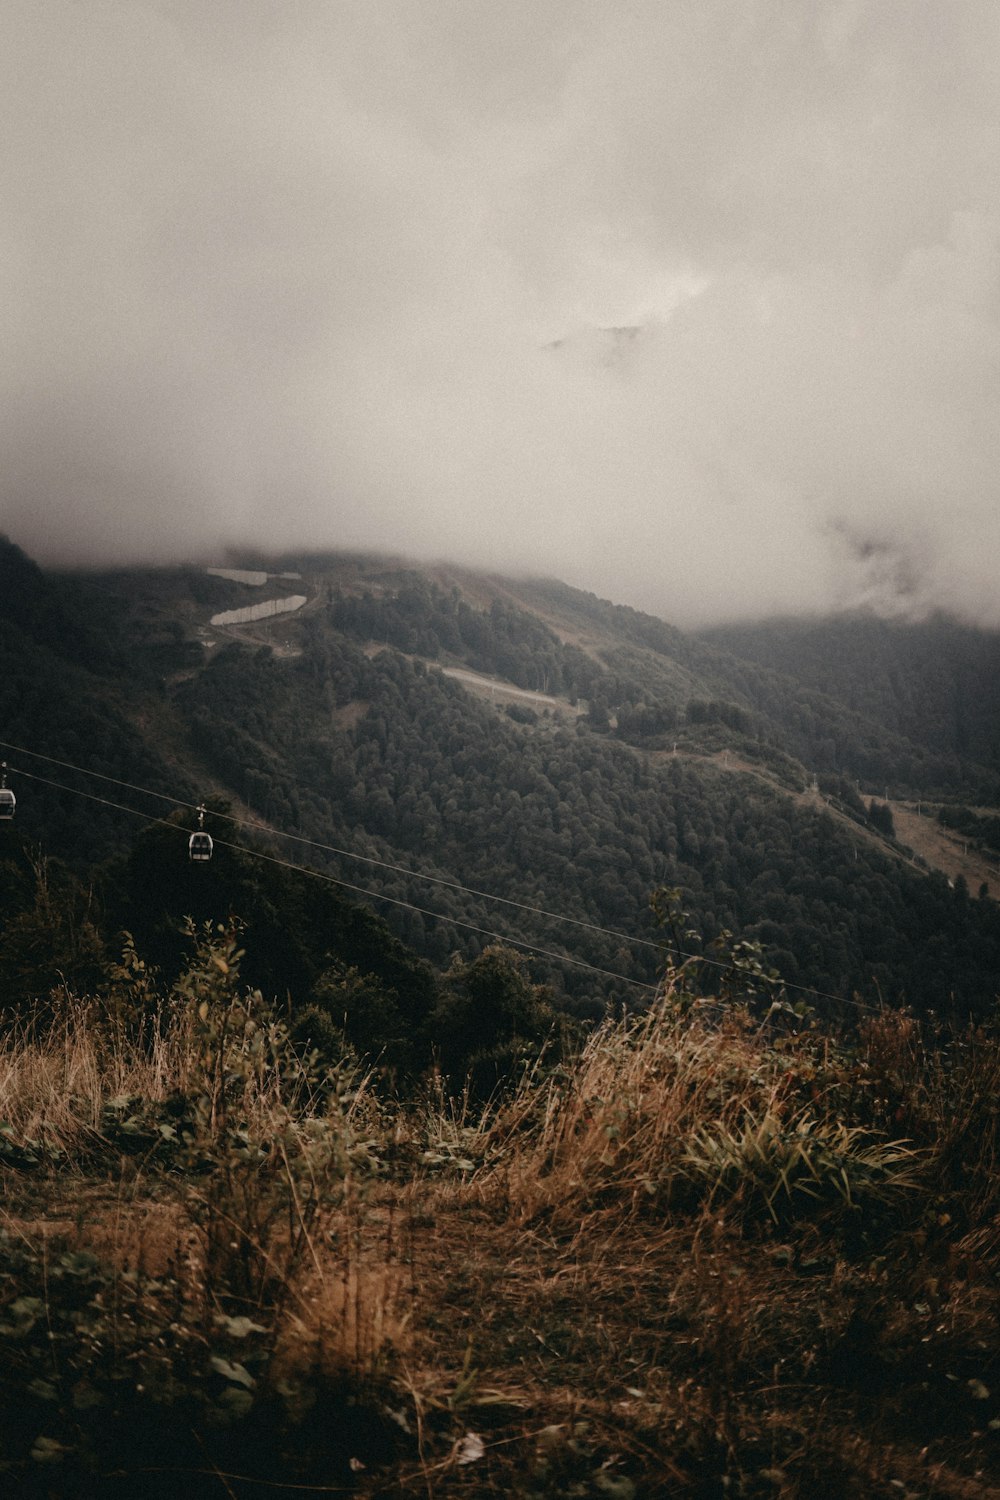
936 682
631 759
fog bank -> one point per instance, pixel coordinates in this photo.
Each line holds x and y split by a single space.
695 305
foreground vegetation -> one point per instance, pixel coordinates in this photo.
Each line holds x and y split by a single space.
711 1253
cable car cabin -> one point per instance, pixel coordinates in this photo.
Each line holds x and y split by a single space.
200 846
7 802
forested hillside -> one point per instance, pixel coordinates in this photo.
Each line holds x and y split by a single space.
590 755
936 683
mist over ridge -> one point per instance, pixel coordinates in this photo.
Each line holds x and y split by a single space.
695 307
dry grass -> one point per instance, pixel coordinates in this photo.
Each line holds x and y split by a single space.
610 1127
697 1260
667 1109
347 1320
57 1076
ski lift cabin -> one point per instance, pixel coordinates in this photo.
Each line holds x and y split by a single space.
200 842
200 846
8 801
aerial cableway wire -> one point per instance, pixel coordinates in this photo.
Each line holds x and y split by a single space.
367 859
661 946
360 890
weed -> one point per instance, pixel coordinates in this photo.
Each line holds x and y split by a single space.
798 1166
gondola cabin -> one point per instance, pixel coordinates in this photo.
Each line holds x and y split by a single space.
8 801
200 846
200 842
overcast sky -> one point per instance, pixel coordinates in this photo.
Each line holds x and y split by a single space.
348 273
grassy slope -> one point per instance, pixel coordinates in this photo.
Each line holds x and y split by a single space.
695 1261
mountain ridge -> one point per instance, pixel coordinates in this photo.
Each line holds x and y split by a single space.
340 725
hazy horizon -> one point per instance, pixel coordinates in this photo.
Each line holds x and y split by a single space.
693 306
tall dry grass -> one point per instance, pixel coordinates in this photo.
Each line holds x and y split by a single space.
261 1160
610 1125
661 1217
58 1072
679 1109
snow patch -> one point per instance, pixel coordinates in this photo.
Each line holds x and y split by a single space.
262 611
239 575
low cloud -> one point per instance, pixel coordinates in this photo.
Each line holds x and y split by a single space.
695 306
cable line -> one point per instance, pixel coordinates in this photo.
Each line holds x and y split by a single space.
661 947
367 859
360 890
68 765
